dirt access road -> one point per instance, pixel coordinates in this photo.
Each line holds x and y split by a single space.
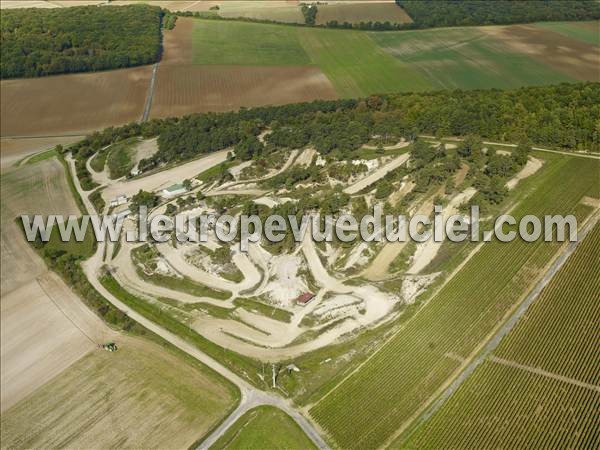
377 175
250 396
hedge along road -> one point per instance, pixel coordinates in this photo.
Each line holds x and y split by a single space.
250 397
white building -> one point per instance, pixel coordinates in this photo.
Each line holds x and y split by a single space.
174 191
118 201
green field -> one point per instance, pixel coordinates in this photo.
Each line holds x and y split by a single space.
575 30
505 406
264 427
356 66
246 44
401 378
466 58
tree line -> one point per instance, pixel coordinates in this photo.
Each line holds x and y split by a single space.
560 116
37 42
453 13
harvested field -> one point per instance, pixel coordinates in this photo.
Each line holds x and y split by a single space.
14 150
11 4
177 43
45 327
574 58
356 12
187 89
276 10
139 397
75 103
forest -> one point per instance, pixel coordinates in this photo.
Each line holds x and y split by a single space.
37 42
561 116
454 13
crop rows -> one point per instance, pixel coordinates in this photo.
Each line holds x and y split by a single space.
509 408
372 404
560 333
506 407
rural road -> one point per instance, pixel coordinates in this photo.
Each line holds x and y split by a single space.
250 397
508 325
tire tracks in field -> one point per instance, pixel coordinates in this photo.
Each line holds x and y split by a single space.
150 96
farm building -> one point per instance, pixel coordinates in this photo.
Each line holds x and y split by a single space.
174 191
305 298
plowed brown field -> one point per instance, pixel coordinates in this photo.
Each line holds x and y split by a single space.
73 103
187 89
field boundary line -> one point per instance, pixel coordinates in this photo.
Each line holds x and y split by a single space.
45 291
488 345
542 372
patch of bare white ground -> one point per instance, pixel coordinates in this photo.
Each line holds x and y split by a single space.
305 157
377 174
164 178
426 251
271 202
44 326
144 150
532 166
235 171
285 284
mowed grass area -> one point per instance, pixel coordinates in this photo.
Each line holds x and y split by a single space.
466 58
264 427
394 386
239 43
586 32
138 397
355 64
516 406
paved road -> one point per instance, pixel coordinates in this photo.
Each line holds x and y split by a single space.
250 396
508 325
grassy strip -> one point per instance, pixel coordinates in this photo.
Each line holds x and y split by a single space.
97 200
262 308
238 363
72 187
42 156
99 160
255 430
144 256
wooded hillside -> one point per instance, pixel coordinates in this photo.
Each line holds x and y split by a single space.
37 42
452 13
